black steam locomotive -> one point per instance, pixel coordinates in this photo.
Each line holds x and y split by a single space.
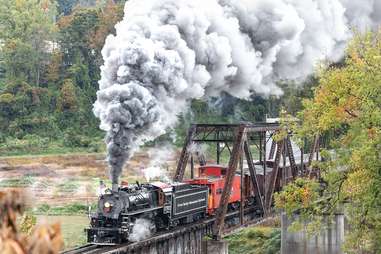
164 205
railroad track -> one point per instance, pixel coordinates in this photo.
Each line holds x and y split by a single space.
82 249
160 236
94 249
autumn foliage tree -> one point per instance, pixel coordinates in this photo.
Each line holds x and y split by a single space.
67 101
81 38
111 14
347 105
27 239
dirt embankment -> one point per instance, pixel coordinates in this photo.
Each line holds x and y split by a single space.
63 179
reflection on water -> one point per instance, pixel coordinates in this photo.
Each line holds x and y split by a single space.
328 241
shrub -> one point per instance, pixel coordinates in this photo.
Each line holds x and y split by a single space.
28 221
69 209
256 240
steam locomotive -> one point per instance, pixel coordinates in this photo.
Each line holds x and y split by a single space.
163 205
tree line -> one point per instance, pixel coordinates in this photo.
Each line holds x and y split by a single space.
50 54
50 58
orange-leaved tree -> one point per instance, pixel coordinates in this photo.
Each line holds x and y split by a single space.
347 105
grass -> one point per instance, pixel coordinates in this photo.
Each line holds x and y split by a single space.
69 209
35 145
51 150
72 228
256 240
69 186
48 156
22 182
72 218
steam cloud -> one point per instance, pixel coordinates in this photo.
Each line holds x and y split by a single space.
167 52
142 230
158 163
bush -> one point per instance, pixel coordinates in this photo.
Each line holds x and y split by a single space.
96 146
28 144
257 240
69 209
272 245
28 221
73 139
44 208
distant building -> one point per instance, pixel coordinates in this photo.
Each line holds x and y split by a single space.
272 120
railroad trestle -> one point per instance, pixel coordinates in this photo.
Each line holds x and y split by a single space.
277 161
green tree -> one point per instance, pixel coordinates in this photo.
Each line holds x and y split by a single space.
347 102
22 108
54 70
49 69
110 14
81 38
67 101
27 31
79 59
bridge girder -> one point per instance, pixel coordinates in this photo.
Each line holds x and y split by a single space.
237 139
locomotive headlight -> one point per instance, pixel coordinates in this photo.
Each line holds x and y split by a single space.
107 207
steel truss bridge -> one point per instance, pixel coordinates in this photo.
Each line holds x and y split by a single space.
278 160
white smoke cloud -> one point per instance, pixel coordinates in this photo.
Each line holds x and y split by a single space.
167 52
142 230
198 149
160 159
161 155
363 14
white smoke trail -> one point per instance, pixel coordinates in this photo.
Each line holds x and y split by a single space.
160 159
167 52
200 149
142 230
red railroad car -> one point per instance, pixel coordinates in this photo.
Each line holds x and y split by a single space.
214 177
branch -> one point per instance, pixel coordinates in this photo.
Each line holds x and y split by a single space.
350 113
